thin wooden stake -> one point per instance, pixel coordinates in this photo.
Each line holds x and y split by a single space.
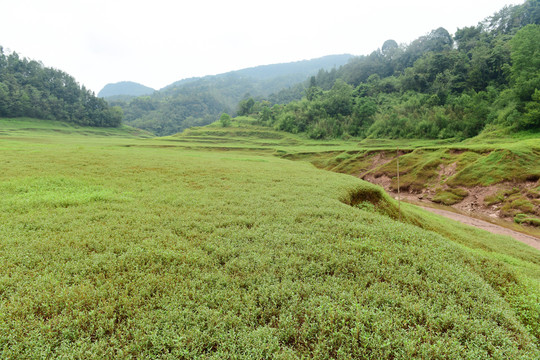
398 194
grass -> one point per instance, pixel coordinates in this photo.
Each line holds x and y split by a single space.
11 128
504 161
526 219
500 196
449 196
123 247
515 165
521 205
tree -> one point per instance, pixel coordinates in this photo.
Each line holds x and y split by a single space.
526 61
265 115
225 120
27 88
313 92
115 116
512 18
245 107
531 117
428 89
526 75
468 37
338 101
390 49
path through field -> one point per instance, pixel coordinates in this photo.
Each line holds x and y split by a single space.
495 229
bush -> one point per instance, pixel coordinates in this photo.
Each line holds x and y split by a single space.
225 120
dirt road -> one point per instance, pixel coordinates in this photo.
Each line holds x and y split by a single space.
495 229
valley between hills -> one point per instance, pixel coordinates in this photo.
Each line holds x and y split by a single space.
286 211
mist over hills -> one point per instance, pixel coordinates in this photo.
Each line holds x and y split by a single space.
200 101
289 73
125 88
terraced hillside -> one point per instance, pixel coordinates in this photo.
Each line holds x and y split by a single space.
501 181
496 177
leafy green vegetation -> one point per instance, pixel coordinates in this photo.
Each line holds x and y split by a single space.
225 120
28 89
205 245
439 86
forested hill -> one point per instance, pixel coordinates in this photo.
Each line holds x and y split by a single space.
286 73
200 101
27 88
438 86
125 88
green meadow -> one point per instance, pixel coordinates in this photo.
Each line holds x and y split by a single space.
211 245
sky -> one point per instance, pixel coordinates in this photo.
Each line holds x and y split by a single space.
158 42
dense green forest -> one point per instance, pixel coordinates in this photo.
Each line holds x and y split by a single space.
438 86
27 88
200 101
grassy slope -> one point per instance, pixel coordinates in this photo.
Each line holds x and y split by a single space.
511 162
117 247
10 128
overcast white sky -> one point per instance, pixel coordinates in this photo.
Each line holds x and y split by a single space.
157 42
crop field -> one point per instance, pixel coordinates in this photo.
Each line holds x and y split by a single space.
115 246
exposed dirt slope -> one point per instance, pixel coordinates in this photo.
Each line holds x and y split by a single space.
500 183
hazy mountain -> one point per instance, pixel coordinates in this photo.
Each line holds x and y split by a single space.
125 88
200 101
287 73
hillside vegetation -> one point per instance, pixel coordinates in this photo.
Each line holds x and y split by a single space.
500 180
200 101
485 175
439 86
187 246
29 89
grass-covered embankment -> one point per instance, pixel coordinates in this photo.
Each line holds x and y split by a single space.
28 127
506 173
110 251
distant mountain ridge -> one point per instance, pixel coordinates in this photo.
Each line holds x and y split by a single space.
125 88
300 69
200 101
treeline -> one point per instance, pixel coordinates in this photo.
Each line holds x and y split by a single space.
439 86
168 114
192 102
27 88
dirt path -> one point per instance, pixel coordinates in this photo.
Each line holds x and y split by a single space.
492 228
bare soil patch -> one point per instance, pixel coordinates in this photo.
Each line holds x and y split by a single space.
473 204
446 171
383 181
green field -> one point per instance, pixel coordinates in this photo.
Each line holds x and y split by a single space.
208 245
